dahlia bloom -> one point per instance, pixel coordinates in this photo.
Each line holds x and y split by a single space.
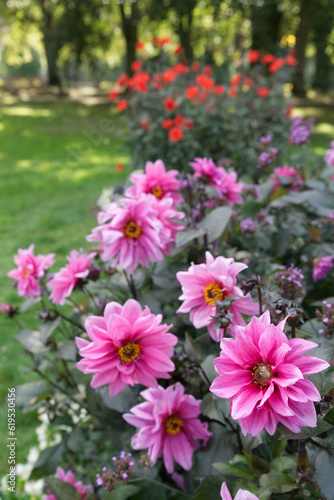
130 232
329 156
225 183
168 217
69 477
168 425
262 372
30 268
63 283
322 266
157 181
202 284
129 346
241 494
290 174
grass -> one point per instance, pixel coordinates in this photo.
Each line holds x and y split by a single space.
55 159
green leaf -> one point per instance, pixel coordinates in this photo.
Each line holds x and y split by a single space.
184 237
208 367
62 490
122 402
48 328
209 489
238 467
323 466
306 432
27 304
32 341
29 391
48 461
68 351
276 482
121 492
216 222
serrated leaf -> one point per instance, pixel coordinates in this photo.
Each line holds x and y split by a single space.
323 466
48 328
276 482
122 402
68 351
209 489
32 341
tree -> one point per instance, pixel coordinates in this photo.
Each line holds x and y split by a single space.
130 16
322 25
266 20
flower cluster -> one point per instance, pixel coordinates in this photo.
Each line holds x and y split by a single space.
142 226
30 268
205 284
248 226
322 266
168 425
69 477
263 373
291 282
225 183
123 469
329 155
326 316
300 130
129 346
287 177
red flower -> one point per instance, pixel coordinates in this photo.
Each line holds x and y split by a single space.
145 124
169 75
248 81
167 123
180 68
253 56
170 104
119 167
291 60
191 92
262 91
289 110
123 80
195 66
122 105
139 81
268 59
160 42
202 97
207 70
175 134
276 65
236 79
113 94
232 92
189 123
178 120
178 50
136 65
205 82
219 89
139 45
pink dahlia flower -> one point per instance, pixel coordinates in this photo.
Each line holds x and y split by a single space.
202 284
129 346
131 233
168 425
168 217
63 283
156 181
241 494
322 266
225 183
69 477
286 175
262 372
329 156
30 268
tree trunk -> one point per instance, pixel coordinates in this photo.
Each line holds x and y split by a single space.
322 24
50 46
298 80
184 32
266 22
130 33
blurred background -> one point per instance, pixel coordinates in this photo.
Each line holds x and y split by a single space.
78 42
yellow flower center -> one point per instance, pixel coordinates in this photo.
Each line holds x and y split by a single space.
128 352
173 425
262 374
157 191
213 292
26 273
132 230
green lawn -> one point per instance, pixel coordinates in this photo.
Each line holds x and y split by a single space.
55 158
